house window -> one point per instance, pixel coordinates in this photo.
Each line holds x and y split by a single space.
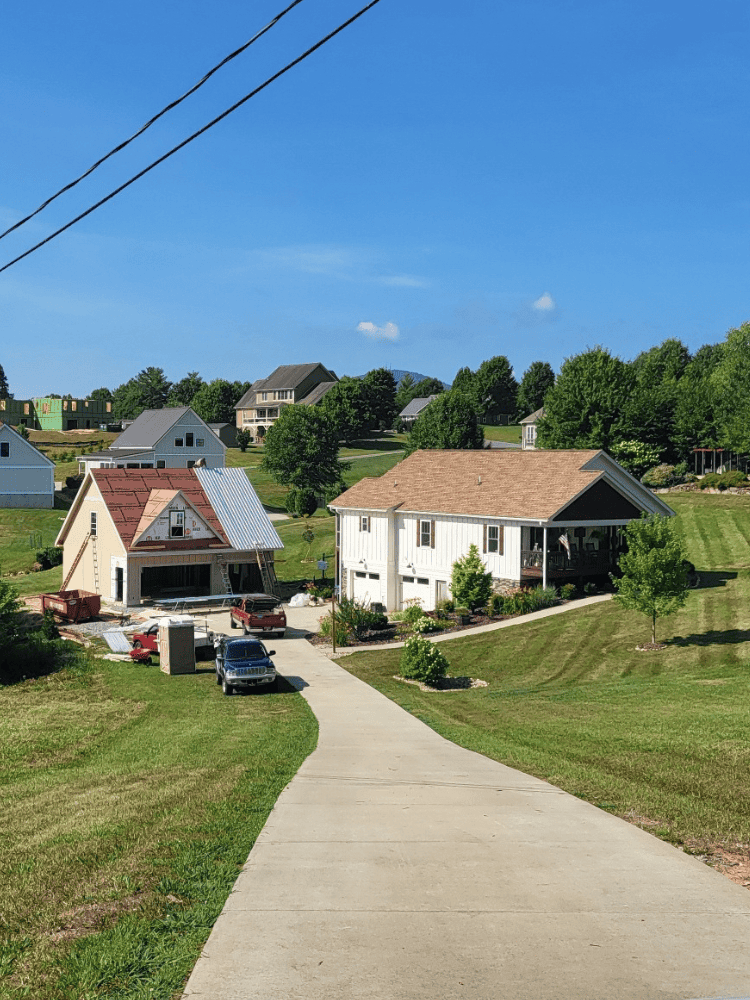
407 579
199 442
92 528
374 576
178 442
423 580
4 449
493 538
263 397
190 463
426 534
188 440
161 464
364 523
176 523
362 576
284 394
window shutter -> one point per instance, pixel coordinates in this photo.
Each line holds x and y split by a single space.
419 525
432 534
484 538
500 540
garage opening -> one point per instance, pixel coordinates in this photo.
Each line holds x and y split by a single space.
193 580
245 578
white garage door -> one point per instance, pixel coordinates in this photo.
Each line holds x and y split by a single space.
417 586
366 588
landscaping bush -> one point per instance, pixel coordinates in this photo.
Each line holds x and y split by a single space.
412 612
589 589
425 624
73 482
422 661
355 619
542 597
568 591
444 608
496 604
49 557
243 438
343 631
471 583
49 629
667 475
722 481
34 656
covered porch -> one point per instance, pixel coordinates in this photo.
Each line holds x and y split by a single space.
565 552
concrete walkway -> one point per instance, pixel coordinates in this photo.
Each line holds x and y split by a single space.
398 865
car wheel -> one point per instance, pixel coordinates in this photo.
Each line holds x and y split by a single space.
226 688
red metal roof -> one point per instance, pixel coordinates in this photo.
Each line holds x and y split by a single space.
126 493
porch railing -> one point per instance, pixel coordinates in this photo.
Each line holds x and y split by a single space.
596 563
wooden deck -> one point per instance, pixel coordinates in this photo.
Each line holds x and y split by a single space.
559 566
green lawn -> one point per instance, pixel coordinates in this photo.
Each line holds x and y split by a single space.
662 735
511 433
131 800
299 559
22 533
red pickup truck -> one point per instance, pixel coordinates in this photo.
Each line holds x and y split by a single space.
259 613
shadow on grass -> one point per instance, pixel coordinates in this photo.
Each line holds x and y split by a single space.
715 637
718 579
376 444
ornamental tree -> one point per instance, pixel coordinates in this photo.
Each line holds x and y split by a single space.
537 380
654 580
449 421
471 582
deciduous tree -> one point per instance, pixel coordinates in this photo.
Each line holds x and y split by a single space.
104 393
301 450
346 405
3 384
182 392
654 579
584 407
449 421
214 402
381 393
496 387
147 391
537 380
731 384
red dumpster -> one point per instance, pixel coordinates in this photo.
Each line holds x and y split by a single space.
73 605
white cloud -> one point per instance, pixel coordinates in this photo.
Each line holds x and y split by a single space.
387 332
545 303
403 281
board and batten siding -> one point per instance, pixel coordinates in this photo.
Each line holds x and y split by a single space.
27 477
453 537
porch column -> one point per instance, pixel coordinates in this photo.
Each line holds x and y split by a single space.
544 558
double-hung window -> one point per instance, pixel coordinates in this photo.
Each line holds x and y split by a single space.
176 523
426 534
4 449
493 538
364 523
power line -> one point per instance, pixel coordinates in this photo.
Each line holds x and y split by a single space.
195 135
150 122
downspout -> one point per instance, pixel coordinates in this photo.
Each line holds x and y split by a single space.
544 557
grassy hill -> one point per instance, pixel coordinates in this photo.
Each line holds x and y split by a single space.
659 735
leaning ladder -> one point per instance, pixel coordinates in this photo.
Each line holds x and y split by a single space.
96 564
224 570
267 574
75 562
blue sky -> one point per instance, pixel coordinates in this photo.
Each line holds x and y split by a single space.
441 183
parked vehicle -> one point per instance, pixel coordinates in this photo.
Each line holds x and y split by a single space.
243 663
259 614
147 637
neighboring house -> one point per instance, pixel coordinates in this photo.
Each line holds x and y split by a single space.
172 438
226 433
535 517
52 414
27 477
528 429
259 408
413 409
135 535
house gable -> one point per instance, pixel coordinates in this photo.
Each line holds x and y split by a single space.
169 515
600 502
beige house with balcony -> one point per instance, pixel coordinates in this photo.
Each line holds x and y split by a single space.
261 405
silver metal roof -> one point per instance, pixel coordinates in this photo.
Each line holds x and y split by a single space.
416 405
238 508
148 428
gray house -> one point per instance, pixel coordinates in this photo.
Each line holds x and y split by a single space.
413 409
27 477
261 405
172 438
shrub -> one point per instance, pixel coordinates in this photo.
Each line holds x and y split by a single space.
425 624
413 611
35 656
244 437
356 619
723 481
568 591
542 597
589 589
73 482
49 557
49 628
343 631
301 502
471 583
422 661
444 608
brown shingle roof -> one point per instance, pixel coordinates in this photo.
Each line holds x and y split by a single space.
487 483
127 493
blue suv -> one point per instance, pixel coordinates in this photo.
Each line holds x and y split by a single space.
244 663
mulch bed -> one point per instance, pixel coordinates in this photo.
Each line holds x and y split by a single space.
400 632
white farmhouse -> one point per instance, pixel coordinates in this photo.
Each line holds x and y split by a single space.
174 437
27 477
536 517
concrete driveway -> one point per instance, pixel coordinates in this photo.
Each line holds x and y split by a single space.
398 865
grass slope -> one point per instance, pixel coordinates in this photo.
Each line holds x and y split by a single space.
511 433
131 800
659 735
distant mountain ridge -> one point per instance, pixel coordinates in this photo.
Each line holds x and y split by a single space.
398 374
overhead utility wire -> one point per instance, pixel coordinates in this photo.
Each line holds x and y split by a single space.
195 135
150 122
